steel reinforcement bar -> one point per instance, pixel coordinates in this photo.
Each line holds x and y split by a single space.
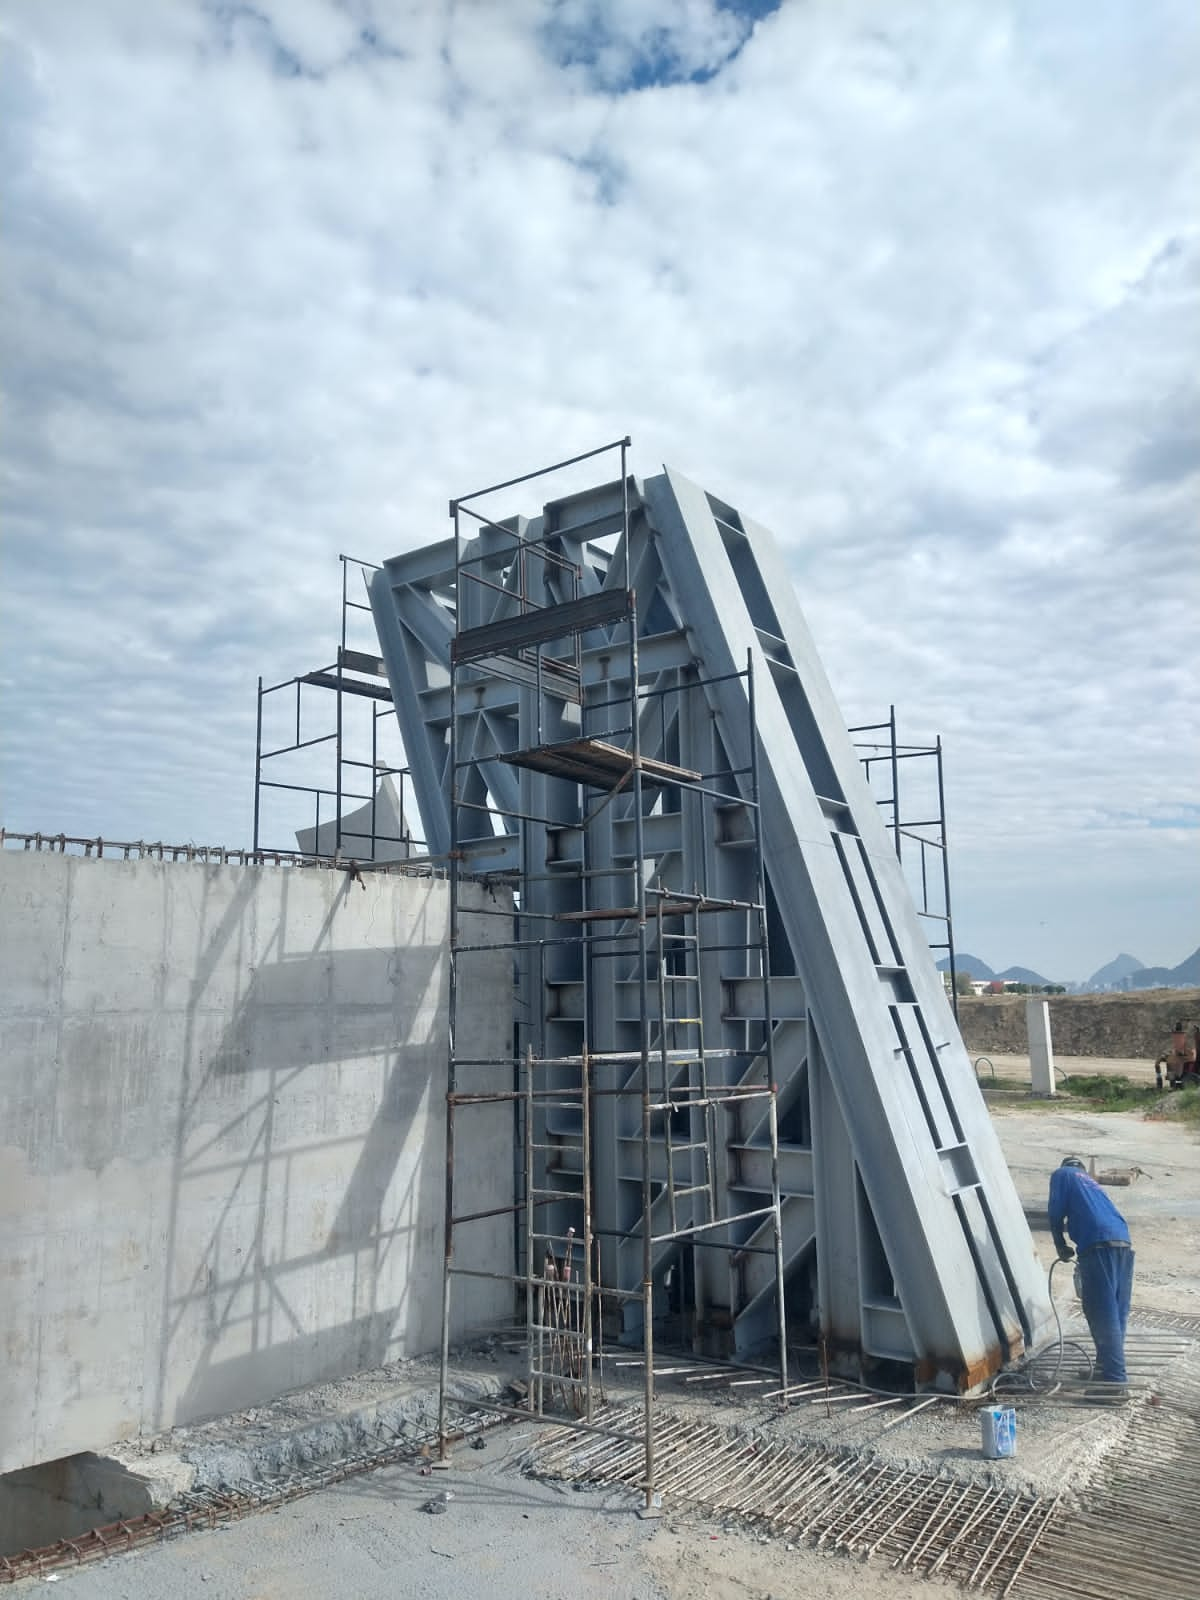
210 1507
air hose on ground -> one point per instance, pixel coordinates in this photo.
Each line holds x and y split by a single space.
1027 1379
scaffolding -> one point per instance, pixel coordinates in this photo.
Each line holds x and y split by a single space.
588 919
925 835
299 703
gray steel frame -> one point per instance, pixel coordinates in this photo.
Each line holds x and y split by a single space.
904 1241
517 598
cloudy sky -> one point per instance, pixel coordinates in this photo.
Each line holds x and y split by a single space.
914 283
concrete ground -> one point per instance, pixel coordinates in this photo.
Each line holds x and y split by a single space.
503 1534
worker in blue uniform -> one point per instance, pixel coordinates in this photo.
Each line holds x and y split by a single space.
1105 1273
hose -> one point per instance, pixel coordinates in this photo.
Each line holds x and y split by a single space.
1044 1388
1026 1380
1057 1262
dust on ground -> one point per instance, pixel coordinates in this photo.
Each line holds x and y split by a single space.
1162 1206
502 1534
1138 1069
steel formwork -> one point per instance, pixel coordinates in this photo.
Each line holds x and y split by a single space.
904 1245
573 755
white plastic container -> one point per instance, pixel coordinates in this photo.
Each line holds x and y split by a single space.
998 1425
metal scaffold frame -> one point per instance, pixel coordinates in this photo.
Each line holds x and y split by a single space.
927 834
677 1097
361 675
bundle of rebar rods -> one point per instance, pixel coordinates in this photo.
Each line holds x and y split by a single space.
563 1319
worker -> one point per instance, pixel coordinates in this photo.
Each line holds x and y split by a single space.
1179 1060
1182 1048
1105 1274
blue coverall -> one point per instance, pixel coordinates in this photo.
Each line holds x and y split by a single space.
1100 1235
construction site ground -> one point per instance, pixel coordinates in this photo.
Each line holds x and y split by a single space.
505 1532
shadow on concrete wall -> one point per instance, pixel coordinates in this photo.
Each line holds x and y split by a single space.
312 1040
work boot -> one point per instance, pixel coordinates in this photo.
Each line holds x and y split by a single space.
1109 1394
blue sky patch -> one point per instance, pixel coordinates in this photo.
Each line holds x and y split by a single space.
623 60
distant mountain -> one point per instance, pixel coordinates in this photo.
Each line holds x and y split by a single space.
967 963
1123 972
1185 976
1123 966
1151 978
1023 975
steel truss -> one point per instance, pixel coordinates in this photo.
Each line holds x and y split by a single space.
616 709
592 923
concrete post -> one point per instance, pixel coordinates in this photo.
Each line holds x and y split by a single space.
1041 1050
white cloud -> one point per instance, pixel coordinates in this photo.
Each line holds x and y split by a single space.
916 288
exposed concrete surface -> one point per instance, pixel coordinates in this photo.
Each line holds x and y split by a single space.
501 1535
1041 1046
1061 1446
222 1138
390 828
59 1499
336 1419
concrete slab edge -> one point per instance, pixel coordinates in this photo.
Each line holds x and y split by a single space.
263 1444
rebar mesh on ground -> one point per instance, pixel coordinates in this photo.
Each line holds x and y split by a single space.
831 1498
1137 1537
211 1507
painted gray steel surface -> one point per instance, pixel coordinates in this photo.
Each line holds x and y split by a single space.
904 1237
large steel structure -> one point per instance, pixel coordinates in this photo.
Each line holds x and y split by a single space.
754 1094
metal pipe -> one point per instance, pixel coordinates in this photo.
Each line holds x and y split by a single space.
451 1039
643 998
529 1233
476 494
588 1243
895 781
258 760
941 789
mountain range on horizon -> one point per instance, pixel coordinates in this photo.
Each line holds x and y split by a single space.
1122 972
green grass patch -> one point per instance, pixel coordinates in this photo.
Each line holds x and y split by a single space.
1111 1093
1183 1105
1099 1092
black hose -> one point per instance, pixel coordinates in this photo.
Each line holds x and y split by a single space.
1027 1374
1057 1262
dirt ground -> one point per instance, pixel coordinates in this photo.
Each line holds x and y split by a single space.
1137 1023
1162 1207
1138 1069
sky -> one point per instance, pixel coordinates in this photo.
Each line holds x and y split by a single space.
916 285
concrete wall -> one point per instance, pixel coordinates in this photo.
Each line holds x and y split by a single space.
221 1138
